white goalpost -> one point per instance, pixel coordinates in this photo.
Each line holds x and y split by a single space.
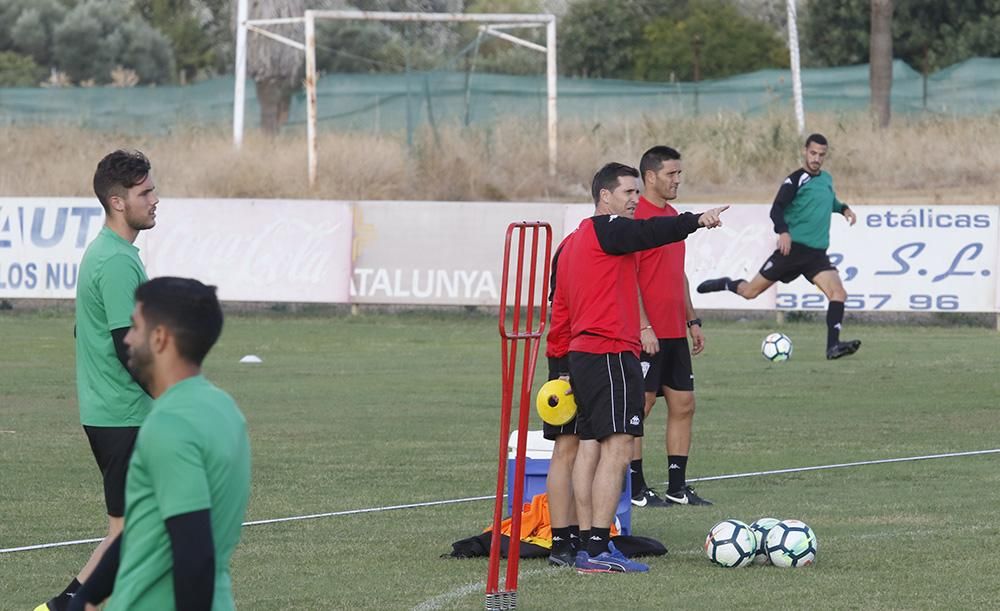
492 24
793 52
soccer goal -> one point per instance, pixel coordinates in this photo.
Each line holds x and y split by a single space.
498 25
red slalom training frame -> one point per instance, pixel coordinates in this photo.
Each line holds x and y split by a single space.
524 328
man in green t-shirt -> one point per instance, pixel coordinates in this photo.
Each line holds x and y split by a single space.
801 215
189 477
112 403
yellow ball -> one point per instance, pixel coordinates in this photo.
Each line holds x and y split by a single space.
553 404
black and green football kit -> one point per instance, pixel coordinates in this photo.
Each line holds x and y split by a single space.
112 404
802 208
192 455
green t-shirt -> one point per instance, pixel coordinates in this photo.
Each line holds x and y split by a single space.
807 203
192 453
105 296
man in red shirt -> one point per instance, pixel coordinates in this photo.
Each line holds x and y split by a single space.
598 283
667 318
570 525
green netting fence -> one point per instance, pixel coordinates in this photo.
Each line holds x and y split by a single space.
394 102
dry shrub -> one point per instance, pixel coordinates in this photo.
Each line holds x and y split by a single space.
726 157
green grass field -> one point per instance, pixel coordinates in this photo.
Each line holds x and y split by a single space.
378 410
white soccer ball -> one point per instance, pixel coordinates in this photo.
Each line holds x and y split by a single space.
791 544
731 543
776 347
760 528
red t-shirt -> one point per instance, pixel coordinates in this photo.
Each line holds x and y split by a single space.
600 292
661 279
557 340
598 278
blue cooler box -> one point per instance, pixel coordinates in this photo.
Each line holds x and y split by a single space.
535 472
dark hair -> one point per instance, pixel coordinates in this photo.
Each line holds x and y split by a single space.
653 159
188 308
817 138
607 178
117 173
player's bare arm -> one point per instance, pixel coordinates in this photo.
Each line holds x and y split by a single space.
694 323
647 335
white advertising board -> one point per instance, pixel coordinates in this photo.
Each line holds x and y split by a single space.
929 258
896 258
438 252
255 250
920 258
737 249
42 240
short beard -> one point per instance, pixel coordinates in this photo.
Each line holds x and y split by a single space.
139 227
140 365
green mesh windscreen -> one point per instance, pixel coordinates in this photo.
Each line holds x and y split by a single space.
406 101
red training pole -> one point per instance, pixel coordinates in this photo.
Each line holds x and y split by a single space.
521 330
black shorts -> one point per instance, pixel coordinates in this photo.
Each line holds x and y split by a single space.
609 394
551 431
801 260
112 447
670 367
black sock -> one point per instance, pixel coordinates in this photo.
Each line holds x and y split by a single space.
584 537
676 472
732 285
561 539
574 537
638 479
598 541
834 318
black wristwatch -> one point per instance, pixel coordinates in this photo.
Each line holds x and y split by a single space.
693 322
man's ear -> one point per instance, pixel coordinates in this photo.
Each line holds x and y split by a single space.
116 203
158 339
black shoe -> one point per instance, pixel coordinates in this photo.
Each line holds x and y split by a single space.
843 349
563 557
647 498
714 285
685 496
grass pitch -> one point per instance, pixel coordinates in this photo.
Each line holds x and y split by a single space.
379 410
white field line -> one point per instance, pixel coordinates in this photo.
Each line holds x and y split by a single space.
331 514
462 591
860 463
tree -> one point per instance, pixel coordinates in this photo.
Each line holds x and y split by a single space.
658 39
880 64
27 27
714 38
18 70
97 36
221 30
927 34
598 39
358 46
494 55
772 12
275 68
190 28
373 46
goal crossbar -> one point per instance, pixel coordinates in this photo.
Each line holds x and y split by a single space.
493 24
